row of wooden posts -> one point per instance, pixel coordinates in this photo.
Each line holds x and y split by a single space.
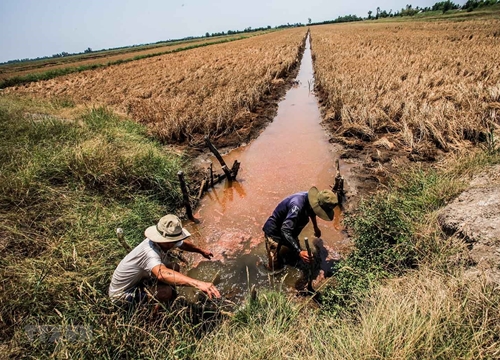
211 178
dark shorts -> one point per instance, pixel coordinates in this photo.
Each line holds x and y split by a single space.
149 290
138 293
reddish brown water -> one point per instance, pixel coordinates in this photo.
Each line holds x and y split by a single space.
291 155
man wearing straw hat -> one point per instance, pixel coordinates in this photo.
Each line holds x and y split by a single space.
291 216
150 261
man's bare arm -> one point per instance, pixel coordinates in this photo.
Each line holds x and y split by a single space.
189 246
172 277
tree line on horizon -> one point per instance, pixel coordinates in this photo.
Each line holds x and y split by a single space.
409 10
442 6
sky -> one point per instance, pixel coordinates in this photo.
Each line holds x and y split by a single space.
36 28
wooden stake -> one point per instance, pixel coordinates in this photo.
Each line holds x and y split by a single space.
338 187
185 196
211 175
311 264
253 294
221 160
121 239
235 169
202 188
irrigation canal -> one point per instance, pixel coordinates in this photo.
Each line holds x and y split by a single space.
291 155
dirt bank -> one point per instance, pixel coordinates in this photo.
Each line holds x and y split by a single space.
474 217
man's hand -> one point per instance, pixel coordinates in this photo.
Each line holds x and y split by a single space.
304 256
317 232
189 246
209 289
207 254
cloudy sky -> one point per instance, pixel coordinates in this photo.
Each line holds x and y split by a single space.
32 28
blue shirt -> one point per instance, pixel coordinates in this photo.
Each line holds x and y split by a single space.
288 219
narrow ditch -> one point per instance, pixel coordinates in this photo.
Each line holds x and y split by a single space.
292 154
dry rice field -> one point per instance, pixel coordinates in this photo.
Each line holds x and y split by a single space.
408 85
101 57
411 85
213 90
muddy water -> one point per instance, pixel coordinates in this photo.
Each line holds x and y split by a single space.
291 155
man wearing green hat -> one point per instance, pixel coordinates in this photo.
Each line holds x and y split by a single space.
150 261
291 216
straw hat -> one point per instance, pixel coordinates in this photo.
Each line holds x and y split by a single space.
168 229
322 202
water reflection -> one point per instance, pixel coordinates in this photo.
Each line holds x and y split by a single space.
226 195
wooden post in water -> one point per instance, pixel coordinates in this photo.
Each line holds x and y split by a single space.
338 187
311 264
221 160
235 169
185 196
211 169
202 188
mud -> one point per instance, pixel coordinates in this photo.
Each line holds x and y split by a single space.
474 217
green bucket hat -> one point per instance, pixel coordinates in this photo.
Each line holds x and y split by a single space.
322 202
168 229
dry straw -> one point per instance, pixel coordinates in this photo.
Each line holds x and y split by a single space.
415 82
212 90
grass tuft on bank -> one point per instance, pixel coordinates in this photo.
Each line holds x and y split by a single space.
422 315
65 186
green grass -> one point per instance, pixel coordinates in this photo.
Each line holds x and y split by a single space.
65 186
423 315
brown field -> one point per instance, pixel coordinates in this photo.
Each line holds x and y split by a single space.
212 90
415 86
103 57
411 85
